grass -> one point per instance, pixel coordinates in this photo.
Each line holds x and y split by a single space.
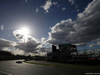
70 66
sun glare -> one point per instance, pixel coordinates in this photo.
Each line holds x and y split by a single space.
25 31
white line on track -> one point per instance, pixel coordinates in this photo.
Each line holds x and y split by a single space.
5 73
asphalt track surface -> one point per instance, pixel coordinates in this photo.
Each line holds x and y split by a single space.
12 68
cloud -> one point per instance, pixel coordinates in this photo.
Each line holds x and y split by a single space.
6 43
95 44
37 9
14 51
54 3
63 8
19 48
18 34
98 43
87 25
60 32
84 29
31 44
72 1
26 1
2 27
91 45
18 52
47 6
45 49
43 40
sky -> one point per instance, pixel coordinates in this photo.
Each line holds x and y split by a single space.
48 22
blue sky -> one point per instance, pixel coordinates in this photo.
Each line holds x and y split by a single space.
16 12
49 21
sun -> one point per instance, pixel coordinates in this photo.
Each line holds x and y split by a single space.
25 31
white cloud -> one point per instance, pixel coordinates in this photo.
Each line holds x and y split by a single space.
98 43
47 6
84 29
63 8
26 1
30 45
19 52
43 40
18 35
2 27
91 45
6 43
13 50
87 23
19 48
37 9
54 3
60 32
72 1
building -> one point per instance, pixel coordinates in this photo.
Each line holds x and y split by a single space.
62 54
